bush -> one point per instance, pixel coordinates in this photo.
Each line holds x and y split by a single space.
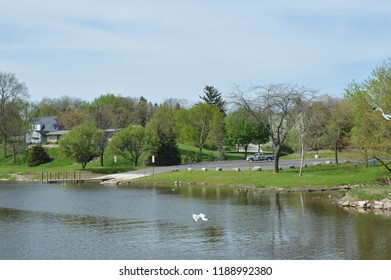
193 157
37 155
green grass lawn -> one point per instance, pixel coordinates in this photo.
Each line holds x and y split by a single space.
62 163
314 176
325 175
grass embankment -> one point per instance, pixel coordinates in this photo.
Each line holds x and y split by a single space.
10 170
313 177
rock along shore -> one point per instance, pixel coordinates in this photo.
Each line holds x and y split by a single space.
351 202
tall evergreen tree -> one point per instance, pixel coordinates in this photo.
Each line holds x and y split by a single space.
37 156
214 98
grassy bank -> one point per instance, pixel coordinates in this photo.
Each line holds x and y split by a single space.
374 181
60 163
313 177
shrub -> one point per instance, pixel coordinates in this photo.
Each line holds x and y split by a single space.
37 155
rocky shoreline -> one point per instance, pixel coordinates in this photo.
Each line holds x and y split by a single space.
352 203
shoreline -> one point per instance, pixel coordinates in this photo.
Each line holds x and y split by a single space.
347 201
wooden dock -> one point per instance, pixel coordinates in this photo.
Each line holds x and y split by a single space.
74 177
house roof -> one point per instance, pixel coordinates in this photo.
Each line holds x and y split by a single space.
47 123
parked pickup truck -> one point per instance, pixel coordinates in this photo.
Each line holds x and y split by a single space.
261 156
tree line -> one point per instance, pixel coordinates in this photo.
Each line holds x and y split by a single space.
288 117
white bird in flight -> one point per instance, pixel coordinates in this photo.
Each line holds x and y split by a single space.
196 217
386 116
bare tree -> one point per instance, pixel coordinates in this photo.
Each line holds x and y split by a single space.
276 107
12 93
306 124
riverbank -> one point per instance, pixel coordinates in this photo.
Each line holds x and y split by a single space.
355 186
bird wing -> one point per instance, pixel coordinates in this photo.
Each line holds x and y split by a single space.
195 218
202 216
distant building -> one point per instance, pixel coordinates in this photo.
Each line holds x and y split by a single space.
40 128
54 136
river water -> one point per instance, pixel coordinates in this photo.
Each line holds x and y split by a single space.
39 221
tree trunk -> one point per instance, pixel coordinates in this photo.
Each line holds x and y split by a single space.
366 158
4 148
336 151
301 159
276 158
245 151
101 159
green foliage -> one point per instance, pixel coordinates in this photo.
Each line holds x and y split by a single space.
371 132
13 95
200 125
164 147
37 156
214 98
130 143
243 129
193 157
80 143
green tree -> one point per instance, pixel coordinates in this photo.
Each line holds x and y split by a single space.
195 124
365 121
339 124
20 117
371 132
12 94
214 98
130 143
73 117
162 124
37 156
243 129
45 108
80 143
217 133
144 111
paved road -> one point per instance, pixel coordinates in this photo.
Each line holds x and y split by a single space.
225 165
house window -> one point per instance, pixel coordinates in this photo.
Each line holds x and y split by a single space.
36 127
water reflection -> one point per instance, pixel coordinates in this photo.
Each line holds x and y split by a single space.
126 222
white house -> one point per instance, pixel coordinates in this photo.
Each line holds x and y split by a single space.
40 127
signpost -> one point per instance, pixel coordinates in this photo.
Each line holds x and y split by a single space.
153 165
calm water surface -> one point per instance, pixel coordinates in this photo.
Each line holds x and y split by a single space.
99 222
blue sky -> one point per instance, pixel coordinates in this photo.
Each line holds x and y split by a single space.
174 48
